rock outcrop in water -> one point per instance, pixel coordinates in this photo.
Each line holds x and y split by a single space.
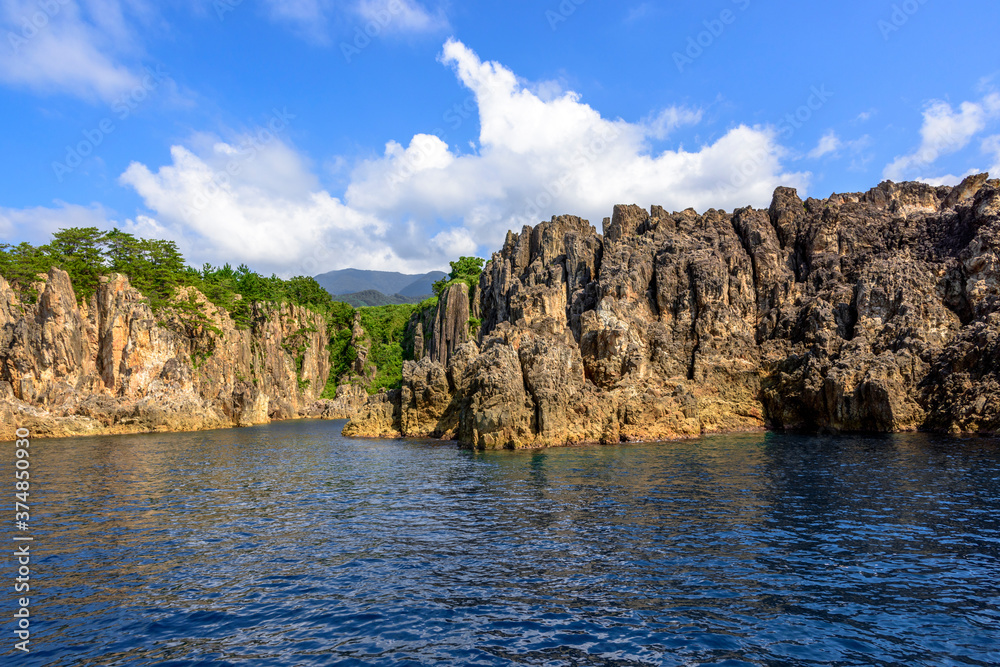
862 312
114 367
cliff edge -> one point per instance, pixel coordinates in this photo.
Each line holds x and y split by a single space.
876 311
112 366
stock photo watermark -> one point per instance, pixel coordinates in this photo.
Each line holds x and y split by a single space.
248 150
122 108
364 35
698 44
22 539
32 24
901 15
562 13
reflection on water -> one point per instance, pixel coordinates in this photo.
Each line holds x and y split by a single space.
290 545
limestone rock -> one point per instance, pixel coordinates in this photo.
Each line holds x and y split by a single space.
875 311
113 366
451 323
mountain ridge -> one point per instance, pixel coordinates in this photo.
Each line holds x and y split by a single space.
353 281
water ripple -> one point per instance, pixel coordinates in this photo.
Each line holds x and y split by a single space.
290 545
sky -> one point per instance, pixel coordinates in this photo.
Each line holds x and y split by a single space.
305 136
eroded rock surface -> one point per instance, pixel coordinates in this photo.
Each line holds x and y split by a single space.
115 367
876 311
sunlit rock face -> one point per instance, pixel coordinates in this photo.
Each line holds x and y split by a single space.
874 311
113 366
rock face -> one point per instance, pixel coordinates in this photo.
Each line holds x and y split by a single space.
115 367
451 323
875 311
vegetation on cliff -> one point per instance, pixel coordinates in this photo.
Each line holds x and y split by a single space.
466 270
156 268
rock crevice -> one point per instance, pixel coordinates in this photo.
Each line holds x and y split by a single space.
113 366
873 311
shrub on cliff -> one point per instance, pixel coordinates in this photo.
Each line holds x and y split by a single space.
466 269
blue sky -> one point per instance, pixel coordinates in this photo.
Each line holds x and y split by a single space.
310 135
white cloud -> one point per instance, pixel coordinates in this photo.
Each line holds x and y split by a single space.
70 47
308 18
313 18
991 146
670 119
217 215
947 179
424 202
944 132
405 16
537 158
36 225
828 143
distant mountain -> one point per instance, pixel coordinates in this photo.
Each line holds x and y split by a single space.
423 286
353 281
375 298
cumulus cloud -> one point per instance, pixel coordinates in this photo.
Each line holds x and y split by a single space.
542 151
71 47
828 143
944 131
540 157
36 225
219 208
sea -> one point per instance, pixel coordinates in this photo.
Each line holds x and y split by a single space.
289 544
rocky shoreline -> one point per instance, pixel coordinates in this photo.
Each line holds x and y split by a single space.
112 367
876 311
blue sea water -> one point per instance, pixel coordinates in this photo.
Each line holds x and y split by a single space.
291 545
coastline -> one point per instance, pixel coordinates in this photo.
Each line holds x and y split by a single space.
873 312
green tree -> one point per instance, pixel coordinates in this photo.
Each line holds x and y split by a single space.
123 253
165 270
386 328
21 264
304 291
78 252
466 269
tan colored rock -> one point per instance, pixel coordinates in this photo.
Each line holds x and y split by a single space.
378 418
873 311
451 323
113 366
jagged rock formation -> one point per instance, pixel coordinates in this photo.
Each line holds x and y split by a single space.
862 312
350 399
437 332
113 366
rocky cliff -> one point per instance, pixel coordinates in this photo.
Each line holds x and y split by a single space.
875 311
113 366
